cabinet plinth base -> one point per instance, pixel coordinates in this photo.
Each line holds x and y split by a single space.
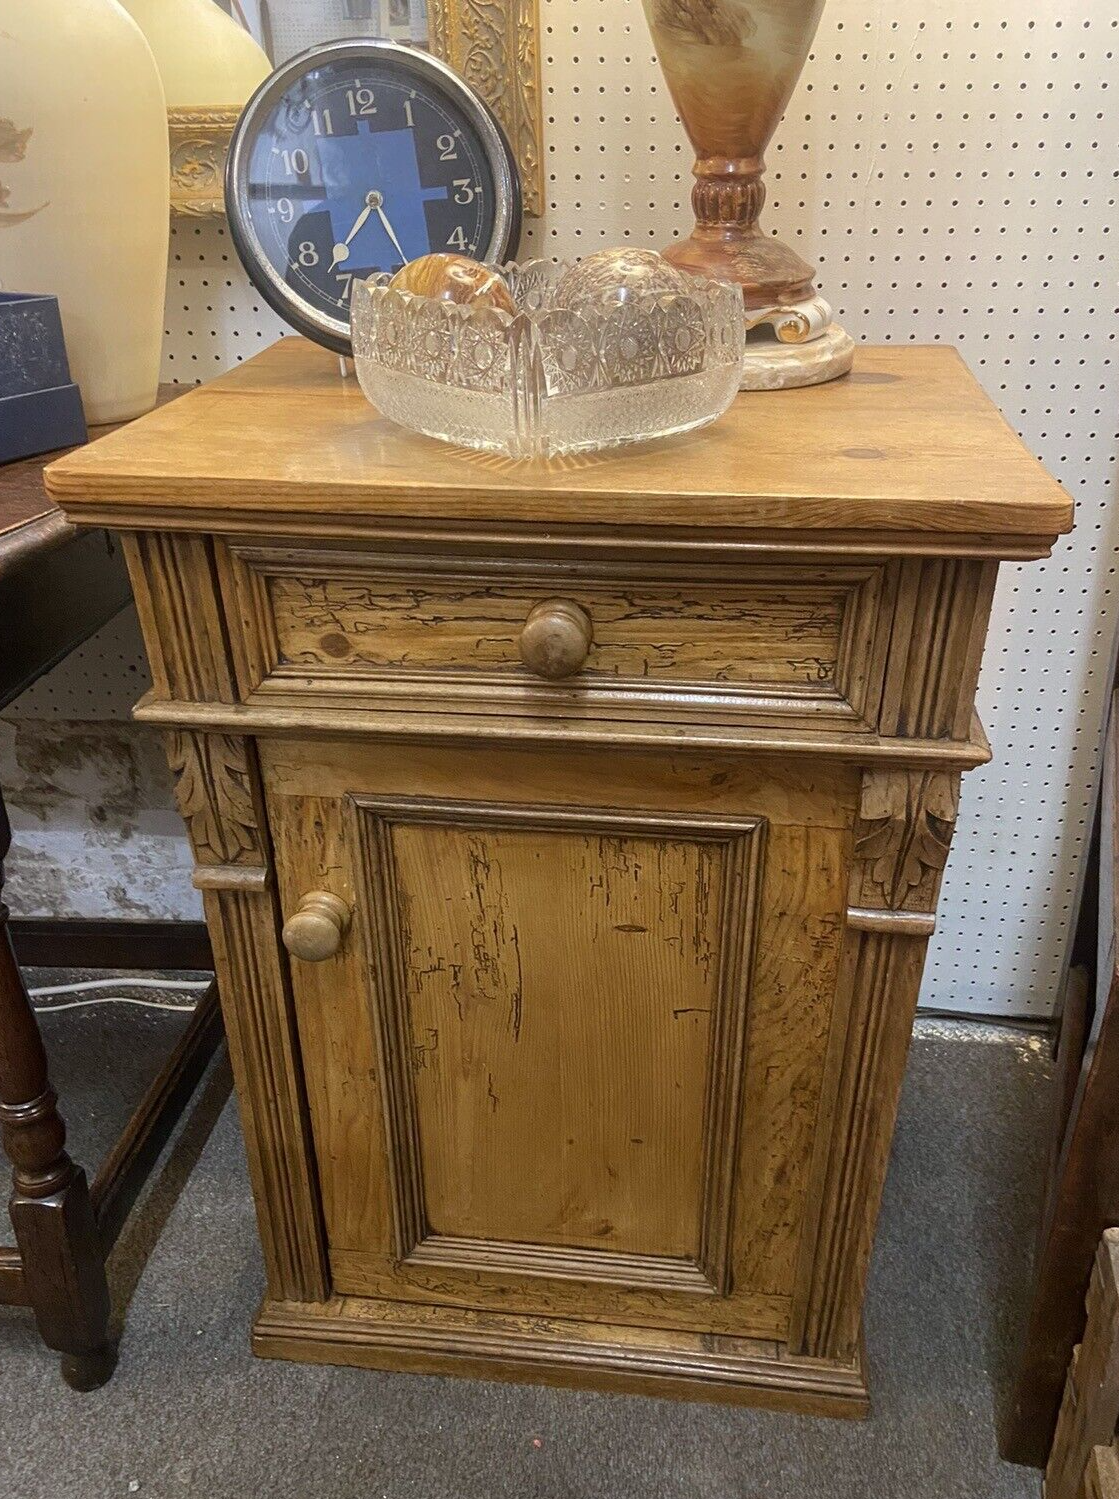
416 1339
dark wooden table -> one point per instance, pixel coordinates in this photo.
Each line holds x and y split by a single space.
58 585
42 557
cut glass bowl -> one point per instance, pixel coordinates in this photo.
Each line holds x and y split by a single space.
553 379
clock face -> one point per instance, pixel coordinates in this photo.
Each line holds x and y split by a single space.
358 157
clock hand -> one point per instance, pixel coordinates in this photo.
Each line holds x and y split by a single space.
373 201
342 251
391 234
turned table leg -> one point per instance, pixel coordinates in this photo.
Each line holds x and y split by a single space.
63 1264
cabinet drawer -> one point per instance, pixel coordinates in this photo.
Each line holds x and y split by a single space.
761 640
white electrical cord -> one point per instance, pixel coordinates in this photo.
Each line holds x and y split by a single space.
86 985
127 983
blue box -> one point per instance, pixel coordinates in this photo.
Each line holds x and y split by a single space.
40 406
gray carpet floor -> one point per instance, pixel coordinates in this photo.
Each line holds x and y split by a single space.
190 1412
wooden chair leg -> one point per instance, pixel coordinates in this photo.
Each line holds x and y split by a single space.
59 1245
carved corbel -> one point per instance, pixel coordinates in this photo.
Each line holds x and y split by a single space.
904 829
218 796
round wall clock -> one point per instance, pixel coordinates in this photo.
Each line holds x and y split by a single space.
356 157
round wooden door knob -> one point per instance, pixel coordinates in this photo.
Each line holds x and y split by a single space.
315 931
555 638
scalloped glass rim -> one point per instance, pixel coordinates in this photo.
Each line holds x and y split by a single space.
552 379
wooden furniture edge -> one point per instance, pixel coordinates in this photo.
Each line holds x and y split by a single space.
555 1355
180 946
1072 1040
236 718
119 504
1101 1477
1090 1404
1082 1200
720 542
34 537
12 1289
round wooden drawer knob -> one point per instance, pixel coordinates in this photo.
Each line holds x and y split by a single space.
316 929
556 638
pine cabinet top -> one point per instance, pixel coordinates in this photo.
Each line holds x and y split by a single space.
907 453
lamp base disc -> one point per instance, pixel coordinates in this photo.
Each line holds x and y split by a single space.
770 365
768 271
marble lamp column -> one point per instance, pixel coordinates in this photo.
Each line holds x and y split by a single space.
731 67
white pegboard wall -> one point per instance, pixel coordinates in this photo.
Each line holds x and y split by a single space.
951 169
99 682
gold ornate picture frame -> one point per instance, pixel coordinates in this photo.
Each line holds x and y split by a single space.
199 142
493 44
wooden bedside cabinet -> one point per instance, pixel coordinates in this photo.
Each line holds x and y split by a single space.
570 840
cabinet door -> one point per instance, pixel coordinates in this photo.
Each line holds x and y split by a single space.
568 1055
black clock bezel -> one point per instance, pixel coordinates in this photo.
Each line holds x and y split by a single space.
334 333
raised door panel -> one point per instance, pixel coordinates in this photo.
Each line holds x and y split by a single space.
560 1000
555 1066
